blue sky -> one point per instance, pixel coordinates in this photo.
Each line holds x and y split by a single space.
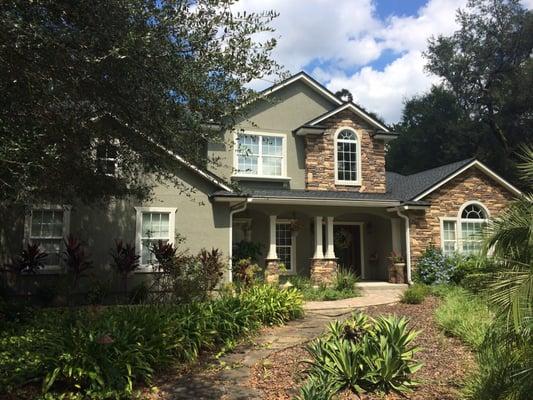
371 47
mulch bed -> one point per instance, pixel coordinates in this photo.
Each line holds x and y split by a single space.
446 361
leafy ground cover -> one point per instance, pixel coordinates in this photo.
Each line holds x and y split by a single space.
445 360
344 287
105 352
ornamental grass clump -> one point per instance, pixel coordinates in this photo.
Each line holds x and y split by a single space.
362 355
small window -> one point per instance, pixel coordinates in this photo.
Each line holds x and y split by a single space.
449 238
347 158
106 158
260 155
47 227
285 244
153 224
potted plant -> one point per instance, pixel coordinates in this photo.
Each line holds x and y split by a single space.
396 268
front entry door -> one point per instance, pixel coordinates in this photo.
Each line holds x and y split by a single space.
347 244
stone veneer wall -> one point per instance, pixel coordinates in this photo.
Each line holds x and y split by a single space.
323 270
472 185
320 157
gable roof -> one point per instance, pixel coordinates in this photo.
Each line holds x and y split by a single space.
306 79
217 181
352 107
415 187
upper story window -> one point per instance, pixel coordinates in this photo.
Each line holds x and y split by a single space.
47 226
347 157
107 158
261 155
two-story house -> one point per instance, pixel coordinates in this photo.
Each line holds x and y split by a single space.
312 189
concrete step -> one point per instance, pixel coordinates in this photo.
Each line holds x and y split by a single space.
370 286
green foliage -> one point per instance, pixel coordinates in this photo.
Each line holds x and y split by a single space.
464 315
433 267
103 352
124 261
363 355
76 260
484 106
139 294
343 287
246 249
245 271
478 283
415 294
148 74
31 259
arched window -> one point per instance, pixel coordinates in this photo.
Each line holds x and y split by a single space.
347 157
464 233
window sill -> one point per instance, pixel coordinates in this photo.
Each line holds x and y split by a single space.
145 269
260 178
348 183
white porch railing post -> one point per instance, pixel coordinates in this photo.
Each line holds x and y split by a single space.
272 252
330 251
319 252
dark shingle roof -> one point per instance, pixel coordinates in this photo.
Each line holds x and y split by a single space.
402 188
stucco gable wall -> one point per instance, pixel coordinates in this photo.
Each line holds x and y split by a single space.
320 156
285 110
472 185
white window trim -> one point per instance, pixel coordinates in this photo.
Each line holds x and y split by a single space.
456 242
359 179
66 229
292 269
458 224
259 174
138 230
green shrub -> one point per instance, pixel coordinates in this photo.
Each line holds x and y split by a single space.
344 287
463 315
345 280
478 282
363 355
415 294
433 267
102 352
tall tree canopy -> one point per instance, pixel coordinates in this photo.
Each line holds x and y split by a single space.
485 105
119 80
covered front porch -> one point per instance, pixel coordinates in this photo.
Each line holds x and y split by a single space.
315 240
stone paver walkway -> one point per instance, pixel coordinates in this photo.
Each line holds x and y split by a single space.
229 383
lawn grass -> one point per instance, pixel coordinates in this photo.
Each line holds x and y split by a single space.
463 314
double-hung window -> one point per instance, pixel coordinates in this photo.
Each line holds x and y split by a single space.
153 224
464 233
260 155
285 245
107 158
47 226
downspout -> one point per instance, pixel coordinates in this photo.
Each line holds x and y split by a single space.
407 244
233 210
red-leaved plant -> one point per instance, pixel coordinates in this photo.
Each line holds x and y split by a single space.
76 260
30 260
125 261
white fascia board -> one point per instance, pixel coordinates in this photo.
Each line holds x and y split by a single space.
323 202
306 80
483 168
170 153
355 110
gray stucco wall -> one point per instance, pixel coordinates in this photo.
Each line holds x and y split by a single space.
202 223
286 110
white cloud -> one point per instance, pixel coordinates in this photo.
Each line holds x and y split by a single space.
347 35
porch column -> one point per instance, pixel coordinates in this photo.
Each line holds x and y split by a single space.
272 260
330 251
319 252
272 252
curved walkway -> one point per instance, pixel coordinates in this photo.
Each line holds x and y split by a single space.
228 382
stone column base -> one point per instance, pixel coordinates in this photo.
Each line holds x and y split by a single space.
323 270
272 270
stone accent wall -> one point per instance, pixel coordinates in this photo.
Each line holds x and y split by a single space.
323 270
272 271
472 185
320 156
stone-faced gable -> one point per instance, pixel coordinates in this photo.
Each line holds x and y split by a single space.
471 185
320 156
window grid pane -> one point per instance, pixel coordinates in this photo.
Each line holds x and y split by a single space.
47 232
471 235
284 243
449 237
259 155
346 161
155 227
